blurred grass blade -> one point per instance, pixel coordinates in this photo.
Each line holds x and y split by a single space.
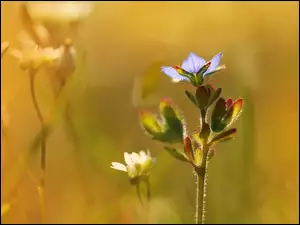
5 207
42 134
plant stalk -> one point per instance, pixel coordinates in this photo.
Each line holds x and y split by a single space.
41 187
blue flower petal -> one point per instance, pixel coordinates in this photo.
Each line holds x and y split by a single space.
193 63
215 61
171 72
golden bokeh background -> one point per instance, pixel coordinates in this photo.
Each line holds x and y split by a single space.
252 179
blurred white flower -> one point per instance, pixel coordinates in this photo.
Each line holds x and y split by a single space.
137 165
32 57
60 11
4 47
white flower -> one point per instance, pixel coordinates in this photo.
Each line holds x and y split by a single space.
138 165
31 56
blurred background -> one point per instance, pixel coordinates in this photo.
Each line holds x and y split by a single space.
252 179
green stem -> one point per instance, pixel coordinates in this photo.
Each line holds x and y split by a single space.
201 193
43 145
148 191
198 200
139 193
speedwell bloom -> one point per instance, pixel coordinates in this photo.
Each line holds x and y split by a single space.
194 69
138 165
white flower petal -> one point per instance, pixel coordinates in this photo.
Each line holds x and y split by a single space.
127 158
16 53
135 158
118 166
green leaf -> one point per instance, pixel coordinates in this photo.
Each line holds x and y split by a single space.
169 136
191 97
173 120
224 136
150 123
202 96
237 110
198 157
184 73
217 124
177 154
214 96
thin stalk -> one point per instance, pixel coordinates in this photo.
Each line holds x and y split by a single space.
41 188
148 191
138 191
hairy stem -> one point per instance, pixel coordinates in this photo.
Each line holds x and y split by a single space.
202 177
201 193
43 145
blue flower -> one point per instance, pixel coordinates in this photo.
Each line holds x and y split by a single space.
194 69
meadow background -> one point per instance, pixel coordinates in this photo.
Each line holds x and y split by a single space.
252 179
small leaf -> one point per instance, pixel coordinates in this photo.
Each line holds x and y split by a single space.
225 136
214 96
198 140
177 154
191 97
5 208
218 114
188 148
237 110
198 157
233 112
150 123
203 69
184 73
229 102
173 120
202 97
